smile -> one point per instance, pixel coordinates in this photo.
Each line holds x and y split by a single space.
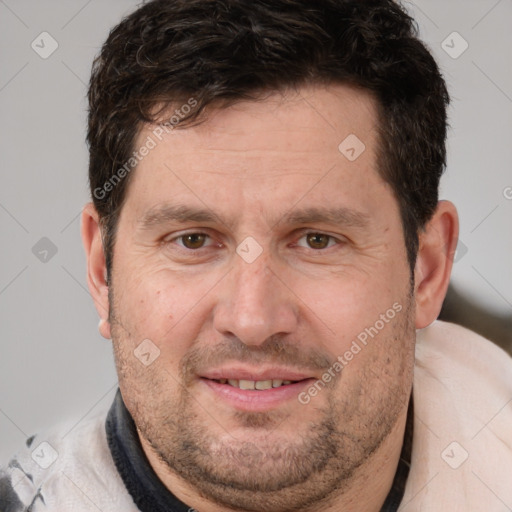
255 395
260 385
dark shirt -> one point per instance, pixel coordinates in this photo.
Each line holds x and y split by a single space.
150 494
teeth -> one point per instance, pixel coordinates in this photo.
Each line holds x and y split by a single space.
256 384
263 384
246 384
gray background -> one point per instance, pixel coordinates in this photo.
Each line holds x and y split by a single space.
53 363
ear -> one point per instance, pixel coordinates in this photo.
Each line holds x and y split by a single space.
437 246
96 267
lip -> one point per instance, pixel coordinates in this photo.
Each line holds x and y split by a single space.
250 400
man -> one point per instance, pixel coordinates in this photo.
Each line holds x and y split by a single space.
267 252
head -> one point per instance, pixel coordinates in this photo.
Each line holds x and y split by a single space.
265 205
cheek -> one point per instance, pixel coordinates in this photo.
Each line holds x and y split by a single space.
163 306
349 302
154 315
366 319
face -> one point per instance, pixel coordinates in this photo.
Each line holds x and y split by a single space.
253 252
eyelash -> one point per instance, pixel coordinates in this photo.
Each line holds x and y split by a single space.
319 233
182 236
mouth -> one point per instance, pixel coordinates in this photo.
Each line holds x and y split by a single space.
256 392
257 385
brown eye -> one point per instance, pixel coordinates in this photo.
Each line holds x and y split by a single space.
194 240
318 240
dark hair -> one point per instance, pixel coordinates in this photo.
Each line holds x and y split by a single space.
223 51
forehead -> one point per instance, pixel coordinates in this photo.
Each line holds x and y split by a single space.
322 138
312 118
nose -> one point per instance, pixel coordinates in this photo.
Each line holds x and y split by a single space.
254 303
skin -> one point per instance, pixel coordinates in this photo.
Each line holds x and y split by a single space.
300 304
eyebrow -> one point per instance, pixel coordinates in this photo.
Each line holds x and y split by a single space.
175 213
339 215
166 214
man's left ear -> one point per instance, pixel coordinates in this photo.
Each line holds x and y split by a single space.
437 246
